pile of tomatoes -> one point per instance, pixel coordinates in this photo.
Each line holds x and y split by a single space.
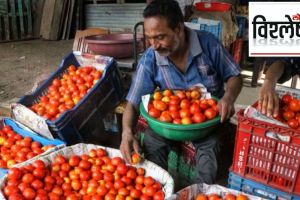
91 176
182 107
289 111
65 92
15 148
213 196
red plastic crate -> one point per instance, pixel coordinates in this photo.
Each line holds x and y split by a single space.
273 160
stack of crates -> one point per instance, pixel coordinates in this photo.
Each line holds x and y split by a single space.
266 159
77 124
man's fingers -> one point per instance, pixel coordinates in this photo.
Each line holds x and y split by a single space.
264 105
136 147
276 106
270 106
126 152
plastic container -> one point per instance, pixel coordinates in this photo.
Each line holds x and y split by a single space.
76 124
212 6
180 132
238 183
21 130
117 45
267 153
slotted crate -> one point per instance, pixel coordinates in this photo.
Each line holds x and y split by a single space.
241 184
15 20
267 153
77 124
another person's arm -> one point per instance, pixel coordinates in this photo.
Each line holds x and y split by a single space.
129 141
142 83
226 104
268 101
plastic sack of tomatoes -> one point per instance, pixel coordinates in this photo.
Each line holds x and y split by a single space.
210 192
86 170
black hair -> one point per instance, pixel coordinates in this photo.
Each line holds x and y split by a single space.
169 9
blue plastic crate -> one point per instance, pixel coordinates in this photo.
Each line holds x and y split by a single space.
26 133
71 126
238 183
212 26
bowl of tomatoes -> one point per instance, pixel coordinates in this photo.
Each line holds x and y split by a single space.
181 115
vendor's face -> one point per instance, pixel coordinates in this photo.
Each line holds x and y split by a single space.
160 36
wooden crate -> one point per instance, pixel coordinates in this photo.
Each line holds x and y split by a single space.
15 20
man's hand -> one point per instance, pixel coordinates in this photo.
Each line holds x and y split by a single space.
268 101
226 108
128 145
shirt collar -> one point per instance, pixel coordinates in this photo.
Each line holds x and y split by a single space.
194 44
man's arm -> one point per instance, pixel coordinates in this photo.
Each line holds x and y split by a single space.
268 101
226 105
129 141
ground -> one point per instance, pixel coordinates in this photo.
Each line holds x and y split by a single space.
22 63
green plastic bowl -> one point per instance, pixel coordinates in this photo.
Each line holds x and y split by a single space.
180 132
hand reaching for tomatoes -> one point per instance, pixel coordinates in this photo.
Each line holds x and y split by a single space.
268 101
226 108
128 145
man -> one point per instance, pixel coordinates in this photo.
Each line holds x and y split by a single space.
280 70
179 58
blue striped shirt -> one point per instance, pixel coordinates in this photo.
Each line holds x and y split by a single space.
208 63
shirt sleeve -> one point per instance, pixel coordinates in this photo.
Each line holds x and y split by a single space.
143 79
222 60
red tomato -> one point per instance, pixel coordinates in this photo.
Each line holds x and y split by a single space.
214 197
160 105
157 96
229 196
174 100
14 174
165 117
185 104
186 120
195 108
167 93
122 169
74 160
148 181
288 115
29 193
177 121
159 195
154 113
150 191
180 94
198 118
286 98
140 171
27 178
175 114
135 158
195 94
210 113
134 193
184 113
293 123
294 105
